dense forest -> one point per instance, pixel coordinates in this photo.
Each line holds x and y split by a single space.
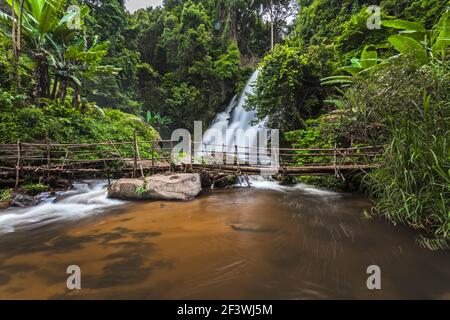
325 78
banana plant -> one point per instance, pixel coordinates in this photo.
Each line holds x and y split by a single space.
42 21
58 50
440 37
413 40
417 42
74 63
157 120
368 61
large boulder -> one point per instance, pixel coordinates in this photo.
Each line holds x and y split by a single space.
179 186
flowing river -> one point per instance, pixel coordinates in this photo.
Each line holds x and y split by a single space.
265 242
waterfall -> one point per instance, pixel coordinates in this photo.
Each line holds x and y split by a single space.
230 124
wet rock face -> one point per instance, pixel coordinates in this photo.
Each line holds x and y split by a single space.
221 180
226 181
180 186
206 179
22 200
286 180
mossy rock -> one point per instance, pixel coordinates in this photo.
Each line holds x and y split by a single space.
225 181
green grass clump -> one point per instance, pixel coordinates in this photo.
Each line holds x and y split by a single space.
35 188
5 195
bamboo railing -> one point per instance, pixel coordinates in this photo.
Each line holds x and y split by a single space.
139 157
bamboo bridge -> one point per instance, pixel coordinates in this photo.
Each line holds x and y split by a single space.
139 158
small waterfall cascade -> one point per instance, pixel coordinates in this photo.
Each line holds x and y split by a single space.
85 199
235 127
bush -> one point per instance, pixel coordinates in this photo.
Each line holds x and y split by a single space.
35 188
66 124
408 109
5 195
287 90
315 135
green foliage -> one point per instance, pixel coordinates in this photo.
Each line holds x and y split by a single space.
117 87
354 35
57 69
5 195
227 65
66 124
416 42
60 54
157 121
368 61
412 118
34 189
142 189
343 23
317 134
192 68
328 182
287 90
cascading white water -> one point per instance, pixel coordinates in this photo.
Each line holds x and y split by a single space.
85 199
233 120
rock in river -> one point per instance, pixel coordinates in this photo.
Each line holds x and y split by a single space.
179 186
23 200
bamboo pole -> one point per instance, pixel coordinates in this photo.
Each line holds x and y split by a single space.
48 155
335 160
139 158
153 157
107 173
134 154
19 163
118 152
172 164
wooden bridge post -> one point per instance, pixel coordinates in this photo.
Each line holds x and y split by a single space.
153 157
134 154
192 151
224 154
247 155
19 162
335 160
204 154
172 164
139 159
48 147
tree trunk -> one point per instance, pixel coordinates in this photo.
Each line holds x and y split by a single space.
18 44
55 88
233 27
76 99
41 77
62 90
19 28
13 31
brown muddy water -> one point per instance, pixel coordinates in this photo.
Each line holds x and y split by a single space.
268 242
